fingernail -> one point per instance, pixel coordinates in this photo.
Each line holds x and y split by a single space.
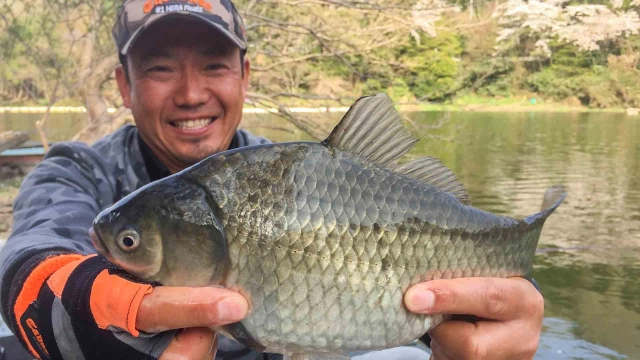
231 310
420 300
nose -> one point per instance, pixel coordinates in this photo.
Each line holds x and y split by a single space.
192 91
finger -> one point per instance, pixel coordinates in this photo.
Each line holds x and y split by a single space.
437 353
490 298
167 308
192 343
484 339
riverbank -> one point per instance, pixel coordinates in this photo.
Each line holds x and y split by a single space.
517 104
519 108
82 109
468 103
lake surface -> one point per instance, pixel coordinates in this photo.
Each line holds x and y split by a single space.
588 265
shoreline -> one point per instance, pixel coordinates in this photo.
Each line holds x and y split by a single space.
477 107
82 109
516 108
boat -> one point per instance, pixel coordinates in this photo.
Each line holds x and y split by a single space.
24 155
16 148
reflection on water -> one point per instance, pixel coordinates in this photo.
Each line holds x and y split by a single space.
59 127
589 270
601 297
592 292
559 342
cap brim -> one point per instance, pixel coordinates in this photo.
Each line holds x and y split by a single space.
195 16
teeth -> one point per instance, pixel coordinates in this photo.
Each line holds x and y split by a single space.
192 124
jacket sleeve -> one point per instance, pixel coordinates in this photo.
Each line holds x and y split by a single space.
54 209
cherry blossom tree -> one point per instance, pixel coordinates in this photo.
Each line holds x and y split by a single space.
586 26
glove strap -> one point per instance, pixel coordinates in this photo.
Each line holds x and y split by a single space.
86 309
26 308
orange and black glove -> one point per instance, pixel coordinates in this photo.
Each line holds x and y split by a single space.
84 307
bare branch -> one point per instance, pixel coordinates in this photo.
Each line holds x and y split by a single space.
305 125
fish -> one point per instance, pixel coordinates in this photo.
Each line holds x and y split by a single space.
322 238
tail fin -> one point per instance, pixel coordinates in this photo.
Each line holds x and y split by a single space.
553 197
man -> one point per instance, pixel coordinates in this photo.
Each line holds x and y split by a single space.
184 77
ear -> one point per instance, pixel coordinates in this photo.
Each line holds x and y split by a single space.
245 80
123 86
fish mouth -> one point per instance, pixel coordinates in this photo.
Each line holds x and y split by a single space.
138 271
98 244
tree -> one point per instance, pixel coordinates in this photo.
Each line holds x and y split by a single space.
330 50
68 45
66 48
586 26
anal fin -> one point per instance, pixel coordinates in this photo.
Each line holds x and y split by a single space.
239 332
432 171
318 355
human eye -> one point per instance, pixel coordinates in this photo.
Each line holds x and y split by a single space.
215 67
158 69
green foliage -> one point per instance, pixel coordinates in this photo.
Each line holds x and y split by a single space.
314 48
432 65
374 85
501 87
490 77
597 86
400 92
583 75
558 82
570 57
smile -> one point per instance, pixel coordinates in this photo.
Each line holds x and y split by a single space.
192 124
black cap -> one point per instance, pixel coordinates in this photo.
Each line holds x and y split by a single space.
136 15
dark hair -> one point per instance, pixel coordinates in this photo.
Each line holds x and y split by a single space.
123 62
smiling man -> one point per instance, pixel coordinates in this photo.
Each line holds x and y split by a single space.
186 88
185 77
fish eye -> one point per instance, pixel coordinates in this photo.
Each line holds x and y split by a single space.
128 240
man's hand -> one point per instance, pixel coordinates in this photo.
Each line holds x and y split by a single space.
510 313
73 305
196 310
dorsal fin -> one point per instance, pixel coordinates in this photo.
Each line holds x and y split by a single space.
432 171
372 129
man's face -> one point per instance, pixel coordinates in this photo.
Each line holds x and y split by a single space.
186 90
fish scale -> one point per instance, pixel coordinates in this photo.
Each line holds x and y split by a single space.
370 300
323 239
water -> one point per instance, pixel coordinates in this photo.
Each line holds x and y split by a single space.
588 265
58 127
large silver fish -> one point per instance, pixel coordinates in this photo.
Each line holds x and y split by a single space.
323 239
